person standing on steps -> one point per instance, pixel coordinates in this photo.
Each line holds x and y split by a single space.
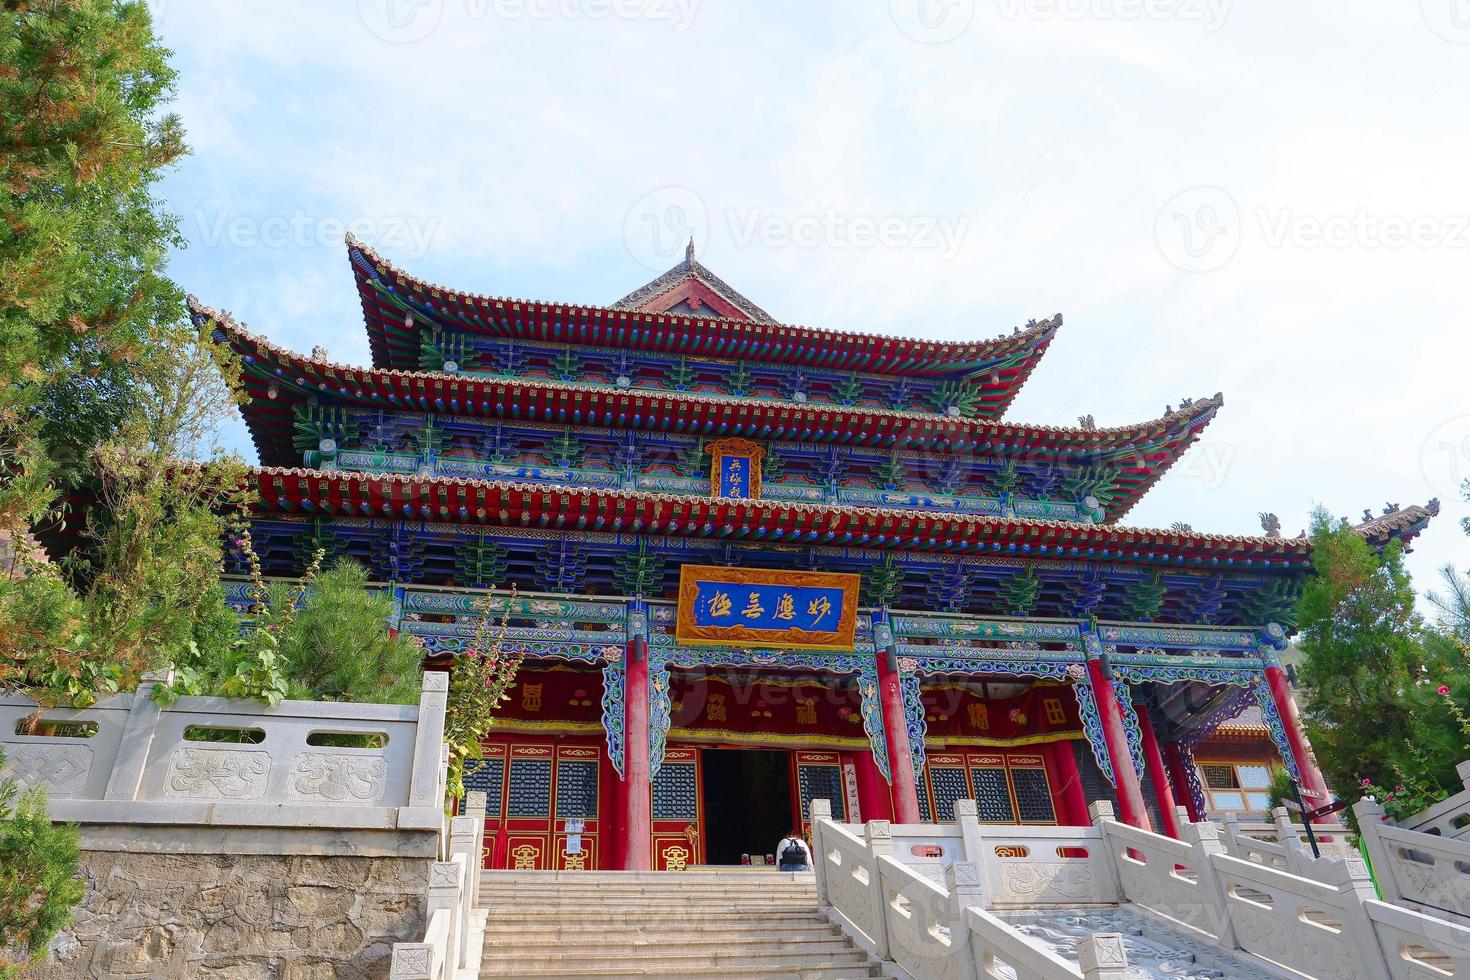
792 854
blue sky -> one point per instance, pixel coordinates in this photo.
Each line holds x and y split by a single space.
1264 199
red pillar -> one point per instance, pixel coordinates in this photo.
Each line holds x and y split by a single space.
636 804
1312 783
896 731
1130 795
1175 761
1154 761
610 818
874 801
1066 784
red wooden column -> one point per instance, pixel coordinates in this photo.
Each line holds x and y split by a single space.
1153 760
1174 759
636 805
874 801
1066 785
1130 794
895 725
1312 782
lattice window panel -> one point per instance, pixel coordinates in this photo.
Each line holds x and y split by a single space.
530 788
576 790
949 785
821 783
674 792
1033 796
925 814
487 776
993 796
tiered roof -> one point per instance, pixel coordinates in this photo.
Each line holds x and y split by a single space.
399 307
277 378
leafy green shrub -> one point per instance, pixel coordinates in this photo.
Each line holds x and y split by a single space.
39 885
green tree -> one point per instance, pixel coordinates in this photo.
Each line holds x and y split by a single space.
39 884
83 140
337 647
1363 655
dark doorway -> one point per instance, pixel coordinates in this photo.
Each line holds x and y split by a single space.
747 802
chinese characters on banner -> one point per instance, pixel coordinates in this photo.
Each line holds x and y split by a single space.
735 468
735 476
767 607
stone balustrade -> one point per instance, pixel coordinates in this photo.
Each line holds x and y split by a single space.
1417 870
227 837
1282 843
453 887
929 929
221 762
1250 908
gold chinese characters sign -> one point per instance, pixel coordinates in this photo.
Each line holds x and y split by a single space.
735 468
766 607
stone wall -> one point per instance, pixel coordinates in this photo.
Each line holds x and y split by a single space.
159 915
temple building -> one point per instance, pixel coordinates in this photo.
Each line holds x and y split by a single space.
752 564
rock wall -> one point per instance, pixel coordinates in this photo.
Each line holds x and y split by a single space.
239 917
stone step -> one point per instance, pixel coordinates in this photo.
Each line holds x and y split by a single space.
667 964
836 972
713 930
637 901
655 877
622 918
561 949
634 895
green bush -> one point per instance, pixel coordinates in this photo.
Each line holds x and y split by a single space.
39 885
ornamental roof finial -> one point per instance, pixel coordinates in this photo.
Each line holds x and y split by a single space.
689 252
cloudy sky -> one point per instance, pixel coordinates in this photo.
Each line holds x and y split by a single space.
1264 199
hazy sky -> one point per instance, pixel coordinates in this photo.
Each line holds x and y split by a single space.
1264 199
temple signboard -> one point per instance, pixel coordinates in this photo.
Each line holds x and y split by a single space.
794 610
735 469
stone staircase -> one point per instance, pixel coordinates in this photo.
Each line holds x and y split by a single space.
697 924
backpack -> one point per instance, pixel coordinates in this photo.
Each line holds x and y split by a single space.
793 853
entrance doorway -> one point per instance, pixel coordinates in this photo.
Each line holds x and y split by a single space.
747 802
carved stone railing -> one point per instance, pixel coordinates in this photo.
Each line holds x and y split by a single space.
1250 907
931 929
1417 870
1282 843
127 760
1449 818
452 891
211 800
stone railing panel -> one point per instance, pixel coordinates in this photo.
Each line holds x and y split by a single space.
847 877
1418 947
66 767
146 764
1285 919
1029 866
926 933
1417 870
1163 876
1448 818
